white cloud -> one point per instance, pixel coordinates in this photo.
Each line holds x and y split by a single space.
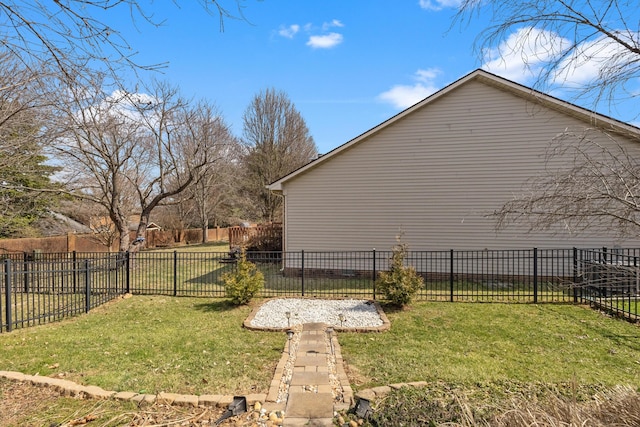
592 59
333 23
524 53
438 4
326 41
404 96
289 31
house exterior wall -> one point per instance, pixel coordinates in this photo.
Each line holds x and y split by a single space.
435 174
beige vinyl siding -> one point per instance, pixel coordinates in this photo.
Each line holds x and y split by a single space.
436 174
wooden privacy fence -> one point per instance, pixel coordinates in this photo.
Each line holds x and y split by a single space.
263 237
90 242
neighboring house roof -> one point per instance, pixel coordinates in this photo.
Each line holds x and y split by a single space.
591 117
57 224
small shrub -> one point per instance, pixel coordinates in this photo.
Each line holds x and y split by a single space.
400 284
244 283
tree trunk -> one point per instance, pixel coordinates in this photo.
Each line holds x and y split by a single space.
124 240
205 231
141 233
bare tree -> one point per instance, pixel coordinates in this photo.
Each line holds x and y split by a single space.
277 141
130 152
595 44
98 145
211 184
591 184
211 192
75 34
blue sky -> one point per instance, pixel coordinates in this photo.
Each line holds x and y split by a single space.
347 65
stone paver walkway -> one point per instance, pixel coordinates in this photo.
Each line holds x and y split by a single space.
310 391
314 378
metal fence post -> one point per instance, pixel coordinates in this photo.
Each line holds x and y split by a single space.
87 286
116 267
127 272
302 273
74 258
575 275
451 274
25 261
175 273
535 275
635 264
375 273
7 293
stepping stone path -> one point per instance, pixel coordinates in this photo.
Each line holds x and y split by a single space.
315 389
310 383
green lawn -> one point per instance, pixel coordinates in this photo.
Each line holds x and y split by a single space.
485 343
196 345
201 247
151 344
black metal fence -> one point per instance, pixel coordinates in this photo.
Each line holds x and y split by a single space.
610 281
39 288
57 286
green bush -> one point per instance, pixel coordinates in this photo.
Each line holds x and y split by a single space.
244 283
400 284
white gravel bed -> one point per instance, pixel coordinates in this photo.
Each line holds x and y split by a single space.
356 313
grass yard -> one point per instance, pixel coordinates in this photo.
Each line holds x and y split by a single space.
201 247
478 355
151 344
196 345
490 343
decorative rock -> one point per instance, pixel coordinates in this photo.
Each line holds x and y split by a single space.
225 401
252 399
144 398
93 392
186 400
419 384
357 314
209 400
38 380
62 385
124 395
166 398
16 376
366 394
382 390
